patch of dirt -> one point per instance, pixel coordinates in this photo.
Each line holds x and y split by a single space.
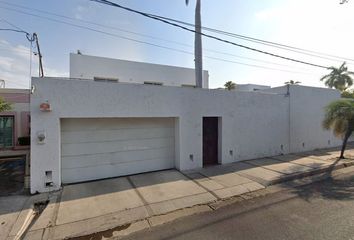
103 234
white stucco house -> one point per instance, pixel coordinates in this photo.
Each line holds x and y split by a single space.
83 129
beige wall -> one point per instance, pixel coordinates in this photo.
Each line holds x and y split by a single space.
19 98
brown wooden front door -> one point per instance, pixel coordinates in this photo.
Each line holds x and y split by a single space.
210 140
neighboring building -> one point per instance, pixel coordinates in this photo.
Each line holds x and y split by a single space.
14 135
114 70
250 87
88 130
15 123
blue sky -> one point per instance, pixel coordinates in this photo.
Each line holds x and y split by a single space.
319 25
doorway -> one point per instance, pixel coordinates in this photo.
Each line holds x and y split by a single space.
210 140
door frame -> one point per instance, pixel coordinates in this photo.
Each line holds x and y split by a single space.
219 142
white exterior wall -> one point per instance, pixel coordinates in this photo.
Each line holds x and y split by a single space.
252 124
88 67
306 116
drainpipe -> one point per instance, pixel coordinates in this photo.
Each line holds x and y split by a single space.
289 107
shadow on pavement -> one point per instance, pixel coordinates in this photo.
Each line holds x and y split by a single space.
12 173
341 189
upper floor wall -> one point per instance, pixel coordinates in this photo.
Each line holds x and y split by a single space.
251 87
103 69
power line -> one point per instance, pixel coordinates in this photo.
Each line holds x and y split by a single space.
13 30
264 42
239 36
256 40
145 35
153 37
12 25
251 39
94 23
30 38
257 66
205 35
148 43
274 55
243 37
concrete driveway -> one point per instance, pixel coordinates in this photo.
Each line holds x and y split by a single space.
86 208
102 204
149 194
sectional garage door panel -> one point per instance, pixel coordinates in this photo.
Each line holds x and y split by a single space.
102 148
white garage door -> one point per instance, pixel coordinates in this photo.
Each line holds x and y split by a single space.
109 147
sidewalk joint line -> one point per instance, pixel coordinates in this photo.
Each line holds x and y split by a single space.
146 204
196 182
265 167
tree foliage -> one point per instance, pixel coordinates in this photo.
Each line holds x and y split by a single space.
347 94
339 78
339 117
230 85
4 106
292 82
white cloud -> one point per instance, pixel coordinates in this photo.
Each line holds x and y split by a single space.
15 66
84 10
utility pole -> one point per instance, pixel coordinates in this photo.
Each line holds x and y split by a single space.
198 46
198 50
41 72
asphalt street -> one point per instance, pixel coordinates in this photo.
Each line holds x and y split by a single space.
322 210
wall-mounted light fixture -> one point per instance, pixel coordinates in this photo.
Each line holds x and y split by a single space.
41 136
45 107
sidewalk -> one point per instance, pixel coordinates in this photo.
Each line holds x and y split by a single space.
111 206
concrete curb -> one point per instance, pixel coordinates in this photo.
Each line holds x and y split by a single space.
294 180
325 169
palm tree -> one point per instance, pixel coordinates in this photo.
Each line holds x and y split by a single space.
339 78
292 82
230 85
339 116
198 55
